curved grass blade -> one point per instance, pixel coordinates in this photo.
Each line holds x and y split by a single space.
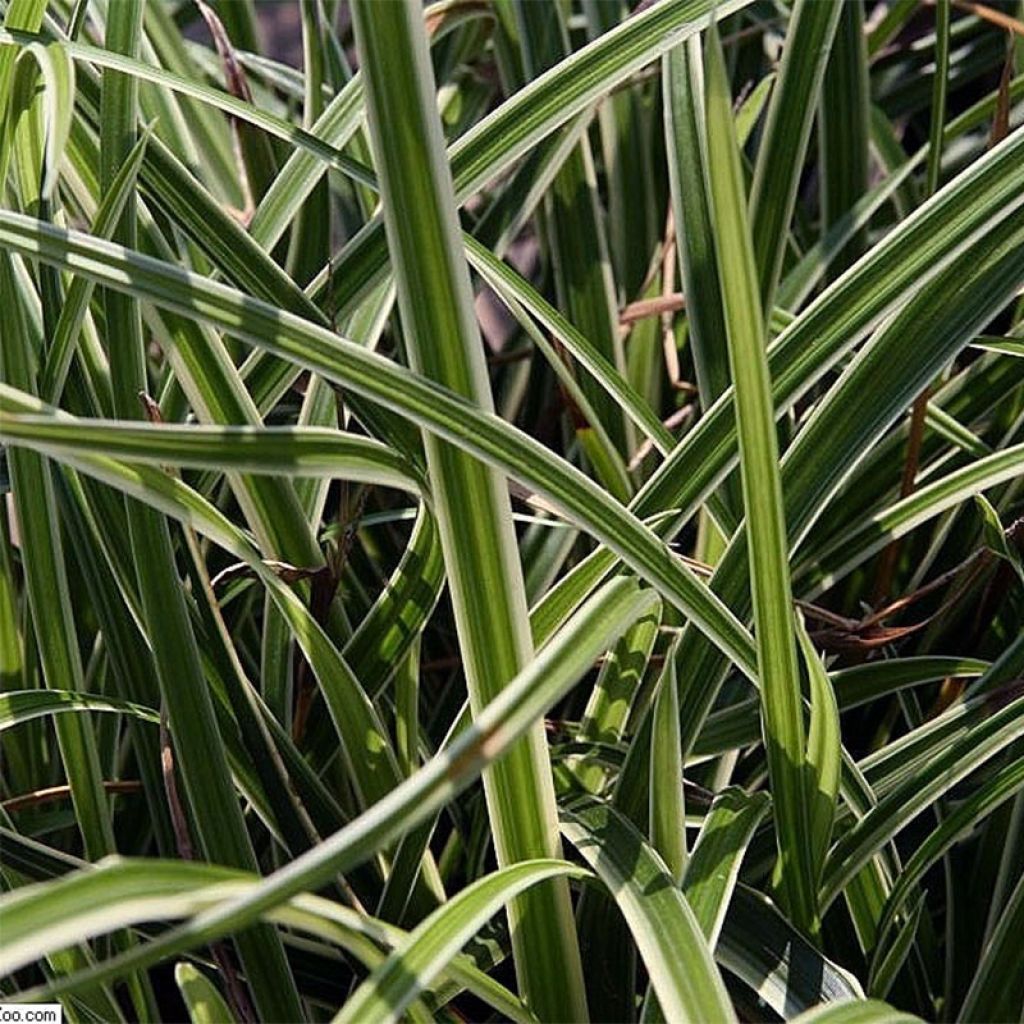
868 1011
290 451
860 542
383 639
682 971
888 962
914 793
737 725
431 406
768 954
100 898
714 865
607 711
26 15
424 954
1003 785
58 76
548 678
506 282
20 706
278 127
204 1003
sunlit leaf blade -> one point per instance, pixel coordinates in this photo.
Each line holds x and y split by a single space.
387 992
678 959
774 623
762 948
473 507
367 373
597 625
24 705
869 1011
718 854
58 82
205 1004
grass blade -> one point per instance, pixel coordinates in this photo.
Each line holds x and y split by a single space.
783 149
715 862
552 674
667 813
678 960
412 967
204 1003
472 504
774 624
869 1011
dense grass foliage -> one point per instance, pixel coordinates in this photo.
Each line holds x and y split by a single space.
520 519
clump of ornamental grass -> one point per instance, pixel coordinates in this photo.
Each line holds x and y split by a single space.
517 518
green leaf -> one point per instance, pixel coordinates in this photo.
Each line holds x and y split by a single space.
868 1011
24 705
512 289
717 855
884 969
667 812
824 745
58 78
76 301
862 540
843 119
413 966
572 220
913 793
534 112
548 678
472 503
774 623
769 955
1002 786
687 144
284 451
198 748
615 691
123 64
783 148
121 892
995 536
48 588
205 1004
668 937
434 407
